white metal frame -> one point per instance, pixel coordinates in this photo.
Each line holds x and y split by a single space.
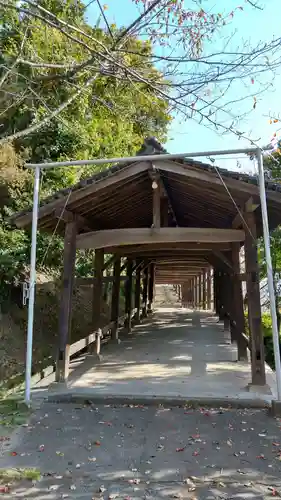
257 152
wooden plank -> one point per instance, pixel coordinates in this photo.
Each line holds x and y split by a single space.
177 248
223 258
190 172
151 284
117 177
145 290
62 368
145 236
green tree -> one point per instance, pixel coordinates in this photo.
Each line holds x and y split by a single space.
104 115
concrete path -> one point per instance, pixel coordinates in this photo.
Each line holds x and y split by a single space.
91 452
176 354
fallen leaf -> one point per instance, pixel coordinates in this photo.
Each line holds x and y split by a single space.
180 449
102 489
4 489
195 453
14 453
97 443
72 487
261 456
92 459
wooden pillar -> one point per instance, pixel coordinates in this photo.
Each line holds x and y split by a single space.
193 292
97 297
254 307
208 291
200 290
128 295
204 287
151 282
144 291
164 212
137 292
196 292
238 306
115 298
62 368
156 204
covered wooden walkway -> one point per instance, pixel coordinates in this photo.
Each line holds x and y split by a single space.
178 222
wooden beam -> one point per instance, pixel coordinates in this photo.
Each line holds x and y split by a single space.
137 292
97 288
223 258
145 236
128 295
176 248
254 306
115 298
190 172
88 189
62 368
237 306
250 206
156 206
67 216
156 176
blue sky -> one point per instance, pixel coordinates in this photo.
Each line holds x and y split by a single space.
249 24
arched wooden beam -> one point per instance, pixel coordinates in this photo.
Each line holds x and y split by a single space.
146 236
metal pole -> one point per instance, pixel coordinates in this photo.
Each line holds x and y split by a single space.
32 282
270 277
153 157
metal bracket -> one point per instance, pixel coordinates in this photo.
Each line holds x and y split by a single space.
25 292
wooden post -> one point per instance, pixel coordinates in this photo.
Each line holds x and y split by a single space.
137 293
151 286
115 299
128 295
97 296
164 212
144 291
204 287
254 307
193 293
62 368
200 290
156 205
208 285
238 306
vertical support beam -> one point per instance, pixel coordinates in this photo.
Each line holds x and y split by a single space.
144 291
137 292
204 286
156 204
238 306
62 368
115 298
254 307
208 291
164 212
97 297
196 292
200 291
151 282
128 295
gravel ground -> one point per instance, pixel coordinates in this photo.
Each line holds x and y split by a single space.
136 452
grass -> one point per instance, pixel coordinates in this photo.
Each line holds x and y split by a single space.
8 475
12 413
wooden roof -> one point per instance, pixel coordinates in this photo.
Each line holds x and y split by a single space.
121 196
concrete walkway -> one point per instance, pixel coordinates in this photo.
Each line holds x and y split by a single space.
176 354
102 452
